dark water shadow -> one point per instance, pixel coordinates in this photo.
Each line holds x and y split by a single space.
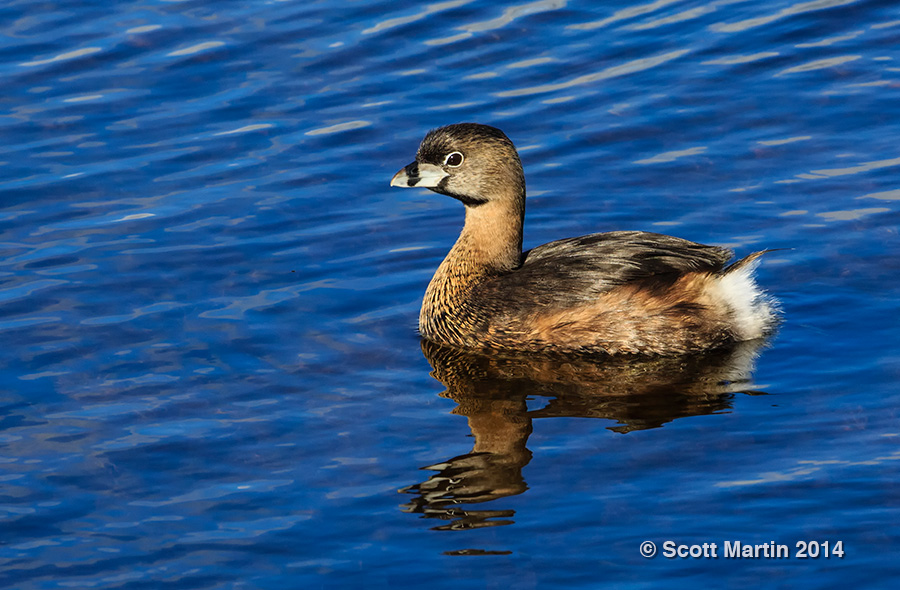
493 391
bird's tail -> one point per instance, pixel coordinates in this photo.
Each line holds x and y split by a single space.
756 313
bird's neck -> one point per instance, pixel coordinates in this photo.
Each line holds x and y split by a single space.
490 244
492 236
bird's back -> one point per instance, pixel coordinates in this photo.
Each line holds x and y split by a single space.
617 292
579 269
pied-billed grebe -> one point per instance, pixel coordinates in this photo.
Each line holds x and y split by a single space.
616 292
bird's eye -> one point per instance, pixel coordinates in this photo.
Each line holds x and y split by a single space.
453 160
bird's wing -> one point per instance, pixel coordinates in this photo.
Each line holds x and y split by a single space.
575 270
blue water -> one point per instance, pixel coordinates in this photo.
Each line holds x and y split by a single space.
210 374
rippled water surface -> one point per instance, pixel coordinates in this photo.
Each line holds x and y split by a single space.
210 372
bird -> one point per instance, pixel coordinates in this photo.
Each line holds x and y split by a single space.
612 293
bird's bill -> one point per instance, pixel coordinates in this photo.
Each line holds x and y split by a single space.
419 175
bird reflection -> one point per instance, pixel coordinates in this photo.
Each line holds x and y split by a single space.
493 393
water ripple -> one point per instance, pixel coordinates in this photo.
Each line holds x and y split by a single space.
741 59
680 17
624 69
671 156
197 48
74 54
514 12
865 167
819 64
891 195
624 14
405 20
339 127
800 8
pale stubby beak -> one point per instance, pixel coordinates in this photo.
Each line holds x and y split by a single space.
419 175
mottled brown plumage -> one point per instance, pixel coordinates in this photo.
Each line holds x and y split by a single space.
616 292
